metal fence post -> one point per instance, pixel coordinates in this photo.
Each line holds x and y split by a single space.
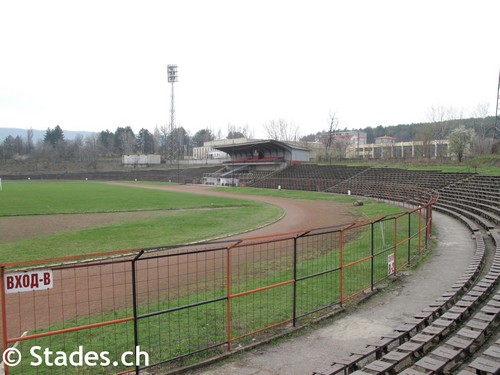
419 230
409 238
372 277
228 290
294 318
4 317
430 220
295 264
228 293
341 261
426 226
134 307
395 246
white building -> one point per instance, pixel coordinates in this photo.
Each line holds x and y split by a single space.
140 160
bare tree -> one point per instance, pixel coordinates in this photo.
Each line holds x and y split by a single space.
90 151
340 146
426 134
218 134
238 132
281 130
443 117
484 135
157 140
30 144
164 133
442 121
461 140
329 138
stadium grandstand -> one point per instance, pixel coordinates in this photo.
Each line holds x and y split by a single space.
254 160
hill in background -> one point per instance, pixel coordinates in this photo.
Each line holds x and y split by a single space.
38 135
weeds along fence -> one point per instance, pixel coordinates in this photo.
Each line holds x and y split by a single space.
194 301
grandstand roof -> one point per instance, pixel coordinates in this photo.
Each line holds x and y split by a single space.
259 144
259 151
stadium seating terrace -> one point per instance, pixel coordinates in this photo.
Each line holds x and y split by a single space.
443 337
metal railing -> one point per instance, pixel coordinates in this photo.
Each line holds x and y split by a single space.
190 301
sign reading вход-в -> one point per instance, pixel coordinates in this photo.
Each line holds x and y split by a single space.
391 266
28 281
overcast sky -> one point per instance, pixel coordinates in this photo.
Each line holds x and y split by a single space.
96 65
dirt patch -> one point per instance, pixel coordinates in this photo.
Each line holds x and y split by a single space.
17 228
299 215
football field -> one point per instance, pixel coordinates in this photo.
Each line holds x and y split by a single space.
53 219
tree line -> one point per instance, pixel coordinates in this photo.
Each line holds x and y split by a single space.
473 135
108 144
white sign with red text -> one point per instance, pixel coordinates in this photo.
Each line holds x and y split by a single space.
390 264
28 281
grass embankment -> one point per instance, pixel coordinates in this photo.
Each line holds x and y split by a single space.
488 165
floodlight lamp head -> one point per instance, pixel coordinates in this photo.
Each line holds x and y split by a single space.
172 73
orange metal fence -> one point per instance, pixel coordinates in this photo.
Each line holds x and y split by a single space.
178 302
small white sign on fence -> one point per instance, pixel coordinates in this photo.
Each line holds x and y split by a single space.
28 281
390 264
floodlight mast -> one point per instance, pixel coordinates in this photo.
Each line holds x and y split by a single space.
497 115
172 150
